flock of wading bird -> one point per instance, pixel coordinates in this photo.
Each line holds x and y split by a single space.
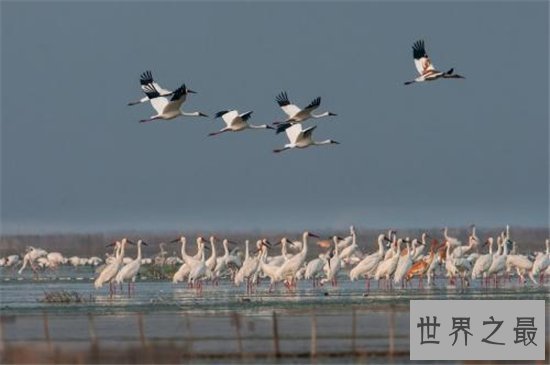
167 105
396 261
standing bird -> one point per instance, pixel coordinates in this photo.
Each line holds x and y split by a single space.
334 264
145 79
130 271
425 67
541 264
295 114
290 267
483 263
367 266
108 274
168 108
301 138
235 122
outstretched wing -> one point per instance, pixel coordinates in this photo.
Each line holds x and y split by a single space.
289 109
229 117
158 102
293 132
179 96
306 133
313 105
421 59
246 116
146 78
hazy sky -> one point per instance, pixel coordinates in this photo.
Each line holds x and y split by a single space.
450 152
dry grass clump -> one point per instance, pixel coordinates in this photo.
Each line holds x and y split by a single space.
67 297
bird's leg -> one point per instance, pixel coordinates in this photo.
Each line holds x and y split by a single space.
149 120
218 132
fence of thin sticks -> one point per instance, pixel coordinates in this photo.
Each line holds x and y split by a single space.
175 337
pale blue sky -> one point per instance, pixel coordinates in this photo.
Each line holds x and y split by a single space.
453 152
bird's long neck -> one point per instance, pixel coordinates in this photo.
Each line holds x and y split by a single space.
548 247
225 249
381 246
258 126
246 255
322 115
304 241
448 250
336 252
122 250
139 250
490 246
213 254
327 141
411 249
190 114
183 253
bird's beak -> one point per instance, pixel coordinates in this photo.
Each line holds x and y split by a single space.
110 244
232 242
131 242
387 239
191 91
144 243
332 114
335 142
313 235
267 126
174 240
203 115
266 244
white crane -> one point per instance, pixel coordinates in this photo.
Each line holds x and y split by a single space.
250 266
483 263
109 272
31 256
198 273
302 138
454 242
295 114
519 262
235 122
387 267
499 260
289 268
368 265
168 108
314 269
541 264
347 252
212 260
145 79
270 270
222 262
189 262
334 263
405 262
420 248
130 270
425 67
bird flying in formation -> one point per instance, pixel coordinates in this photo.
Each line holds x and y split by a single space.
425 67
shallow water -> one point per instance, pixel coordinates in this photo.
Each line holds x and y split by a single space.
348 321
